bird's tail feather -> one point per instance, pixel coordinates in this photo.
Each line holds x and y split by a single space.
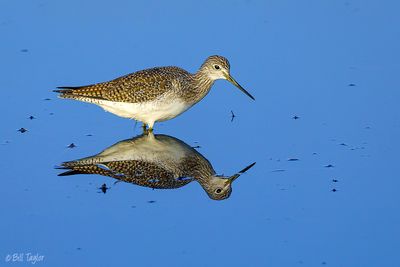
71 172
84 169
78 92
66 89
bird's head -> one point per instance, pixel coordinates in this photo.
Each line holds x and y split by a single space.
219 187
218 67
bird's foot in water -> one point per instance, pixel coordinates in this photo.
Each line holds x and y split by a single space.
147 130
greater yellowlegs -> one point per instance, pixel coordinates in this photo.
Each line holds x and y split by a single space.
155 161
155 94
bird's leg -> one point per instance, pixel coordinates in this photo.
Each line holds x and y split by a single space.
151 124
147 130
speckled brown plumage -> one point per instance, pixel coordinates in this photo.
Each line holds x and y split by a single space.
141 86
155 161
136 172
149 174
155 94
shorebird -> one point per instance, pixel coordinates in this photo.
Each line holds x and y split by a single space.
155 161
156 94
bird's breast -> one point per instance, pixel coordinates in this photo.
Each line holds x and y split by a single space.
156 110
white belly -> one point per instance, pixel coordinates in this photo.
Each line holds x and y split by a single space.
149 112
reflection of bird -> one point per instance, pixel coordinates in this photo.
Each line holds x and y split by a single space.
155 161
156 94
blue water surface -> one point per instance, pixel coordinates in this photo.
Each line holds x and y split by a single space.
324 131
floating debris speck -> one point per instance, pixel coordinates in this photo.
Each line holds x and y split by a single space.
72 145
232 116
22 130
104 188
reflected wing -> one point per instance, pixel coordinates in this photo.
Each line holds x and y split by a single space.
138 172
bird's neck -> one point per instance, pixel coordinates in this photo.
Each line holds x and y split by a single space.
203 84
198 167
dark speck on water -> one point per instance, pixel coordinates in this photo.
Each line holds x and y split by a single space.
335 180
24 50
293 159
31 118
329 166
47 99
343 144
352 84
151 201
104 188
232 116
22 130
295 117
280 170
334 190
72 145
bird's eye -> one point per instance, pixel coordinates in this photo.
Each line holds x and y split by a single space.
218 191
217 67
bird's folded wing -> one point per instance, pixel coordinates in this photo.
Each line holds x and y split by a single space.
133 88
